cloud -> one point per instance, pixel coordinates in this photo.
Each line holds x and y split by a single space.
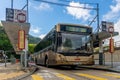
78 13
42 36
43 6
117 29
114 12
35 30
113 15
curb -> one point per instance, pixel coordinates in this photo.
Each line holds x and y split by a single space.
31 72
103 69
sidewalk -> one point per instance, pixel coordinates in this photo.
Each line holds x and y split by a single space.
106 67
11 72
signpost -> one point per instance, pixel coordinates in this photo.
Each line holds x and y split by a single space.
107 27
17 28
111 44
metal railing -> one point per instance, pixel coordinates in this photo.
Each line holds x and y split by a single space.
117 44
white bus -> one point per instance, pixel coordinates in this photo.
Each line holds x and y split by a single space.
66 45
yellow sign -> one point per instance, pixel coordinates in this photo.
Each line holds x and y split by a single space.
111 45
21 39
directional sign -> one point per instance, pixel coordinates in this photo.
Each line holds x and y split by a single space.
15 15
9 14
106 26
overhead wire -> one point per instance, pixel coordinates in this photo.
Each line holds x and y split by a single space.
61 4
65 0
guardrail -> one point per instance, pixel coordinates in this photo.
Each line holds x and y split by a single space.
117 44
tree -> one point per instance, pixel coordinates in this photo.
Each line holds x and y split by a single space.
31 48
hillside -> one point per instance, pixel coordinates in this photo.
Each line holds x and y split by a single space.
33 40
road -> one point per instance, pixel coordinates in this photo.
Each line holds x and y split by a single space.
65 73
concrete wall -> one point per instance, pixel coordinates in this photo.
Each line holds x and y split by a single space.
107 55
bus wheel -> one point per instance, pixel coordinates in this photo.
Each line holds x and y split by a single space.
46 62
36 61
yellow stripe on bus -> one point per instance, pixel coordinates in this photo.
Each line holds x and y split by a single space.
37 77
64 76
91 76
113 75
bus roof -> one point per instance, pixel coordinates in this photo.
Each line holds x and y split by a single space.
70 24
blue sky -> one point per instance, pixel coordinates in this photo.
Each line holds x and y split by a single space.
43 16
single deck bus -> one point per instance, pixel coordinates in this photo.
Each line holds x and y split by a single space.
66 45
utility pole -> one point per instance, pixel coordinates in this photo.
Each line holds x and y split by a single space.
27 11
26 39
100 41
12 4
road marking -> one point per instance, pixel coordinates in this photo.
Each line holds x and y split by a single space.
91 76
64 76
37 77
112 75
45 75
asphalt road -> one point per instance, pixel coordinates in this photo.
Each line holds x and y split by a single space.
66 73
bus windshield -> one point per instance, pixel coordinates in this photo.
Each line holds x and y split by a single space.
74 43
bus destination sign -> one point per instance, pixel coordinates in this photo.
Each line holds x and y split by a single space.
76 29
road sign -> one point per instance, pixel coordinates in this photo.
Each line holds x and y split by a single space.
21 17
111 29
107 25
9 14
15 15
103 25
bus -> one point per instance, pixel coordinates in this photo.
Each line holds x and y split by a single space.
65 45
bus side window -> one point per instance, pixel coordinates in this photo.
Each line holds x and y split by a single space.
59 40
53 38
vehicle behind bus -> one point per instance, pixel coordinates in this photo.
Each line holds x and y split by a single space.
66 45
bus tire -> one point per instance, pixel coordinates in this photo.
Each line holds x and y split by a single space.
36 61
46 62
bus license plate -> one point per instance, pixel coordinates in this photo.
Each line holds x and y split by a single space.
77 63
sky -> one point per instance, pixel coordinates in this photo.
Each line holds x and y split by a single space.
44 16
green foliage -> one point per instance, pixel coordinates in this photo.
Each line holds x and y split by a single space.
33 40
4 41
31 48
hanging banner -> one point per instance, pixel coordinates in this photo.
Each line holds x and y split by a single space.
21 39
111 45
